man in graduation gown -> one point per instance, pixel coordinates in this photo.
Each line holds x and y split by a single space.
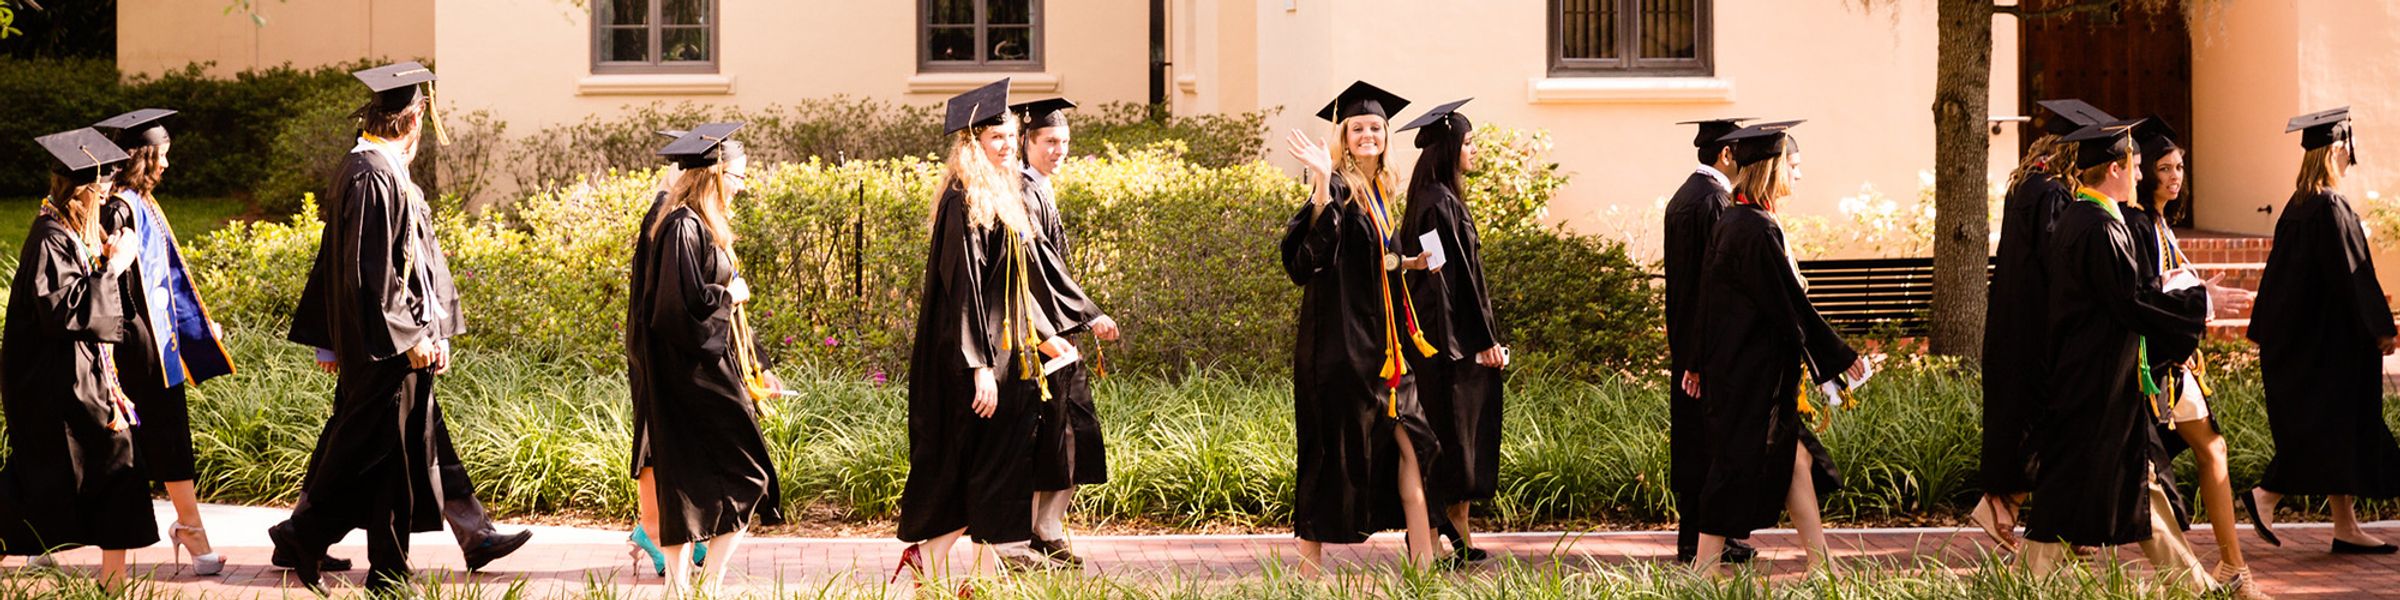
1068 450
1691 215
380 298
2323 327
2015 353
2096 430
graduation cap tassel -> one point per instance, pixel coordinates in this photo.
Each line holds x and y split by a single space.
433 113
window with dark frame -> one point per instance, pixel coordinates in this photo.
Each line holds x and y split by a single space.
654 36
979 35
1630 37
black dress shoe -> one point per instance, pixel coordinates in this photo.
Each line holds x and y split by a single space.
1737 552
2342 547
494 547
283 560
2250 505
281 536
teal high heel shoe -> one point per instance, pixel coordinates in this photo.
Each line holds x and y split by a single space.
699 553
641 545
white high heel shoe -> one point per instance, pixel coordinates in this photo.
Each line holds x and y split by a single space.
202 564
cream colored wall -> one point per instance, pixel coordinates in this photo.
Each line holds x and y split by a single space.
2245 83
529 61
1863 79
162 35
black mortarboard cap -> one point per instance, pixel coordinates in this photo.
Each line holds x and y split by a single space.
2156 136
396 86
2102 143
1362 98
1436 115
978 107
2073 115
1038 114
83 154
1762 141
136 129
703 146
1714 130
2323 128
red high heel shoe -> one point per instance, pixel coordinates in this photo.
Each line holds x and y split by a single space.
912 559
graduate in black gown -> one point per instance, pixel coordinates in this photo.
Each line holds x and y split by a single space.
2015 351
709 462
70 478
975 386
1069 451
380 298
170 339
1364 447
2185 419
1758 333
637 368
2096 430
1460 384
2323 327
1691 215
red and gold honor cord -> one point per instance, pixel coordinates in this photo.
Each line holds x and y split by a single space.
1395 363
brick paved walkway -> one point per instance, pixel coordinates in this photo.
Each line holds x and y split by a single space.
562 560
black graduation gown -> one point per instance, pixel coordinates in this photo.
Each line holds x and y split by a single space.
1462 398
69 479
1068 451
2148 266
710 460
1691 215
1757 327
2095 431
1348 458
964 470
2319 313
2014 335
380 285
637 347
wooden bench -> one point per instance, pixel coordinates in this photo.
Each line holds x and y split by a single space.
1873 295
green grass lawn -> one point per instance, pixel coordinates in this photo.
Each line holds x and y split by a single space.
191 217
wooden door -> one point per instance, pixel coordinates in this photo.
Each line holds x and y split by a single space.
2130 62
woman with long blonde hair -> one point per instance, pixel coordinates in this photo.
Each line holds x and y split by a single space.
70 479
1760 341
1365 448
976 367
699 438
2323 327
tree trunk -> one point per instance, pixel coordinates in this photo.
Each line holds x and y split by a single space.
1961 155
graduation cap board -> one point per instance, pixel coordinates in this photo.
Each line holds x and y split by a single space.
671 133
136 129
1714 130
1437 120
1763 141
2073 115
704 146
1040 114
979 107
82 155
1362 98
2323 128
2156 136
2104 143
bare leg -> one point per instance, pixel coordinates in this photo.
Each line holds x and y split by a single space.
679 570
2345 522
645 500
112 570
1312 559
2216 488
187 512
1801 502
987 559
1412 504
1708 555
1458 520
936 553
720 555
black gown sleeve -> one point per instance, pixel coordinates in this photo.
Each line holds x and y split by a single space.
2169 322
2356 263
683 311
81 301
1312 239
378 244
958 258
1827 354
1470 301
